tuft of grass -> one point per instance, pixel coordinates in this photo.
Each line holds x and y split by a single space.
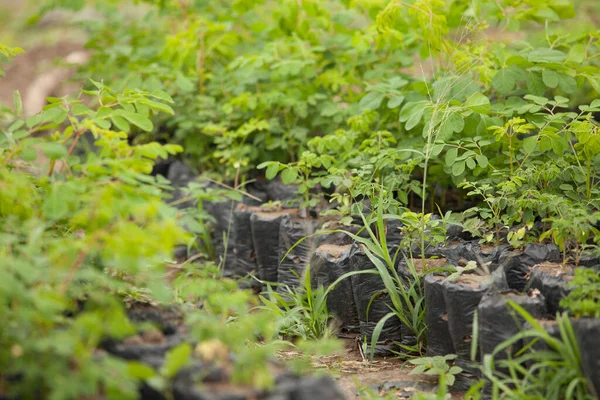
302 311
407 298
553 372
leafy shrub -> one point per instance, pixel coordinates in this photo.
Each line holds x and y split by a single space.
438 365
314 91
583 299
74 243
84 235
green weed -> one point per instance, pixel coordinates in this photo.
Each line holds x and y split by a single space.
554 372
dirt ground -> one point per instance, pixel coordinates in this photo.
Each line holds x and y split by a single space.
355 375
361 379
50 46
53 47
36 75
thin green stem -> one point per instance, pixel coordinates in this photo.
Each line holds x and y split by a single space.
510 150
588 179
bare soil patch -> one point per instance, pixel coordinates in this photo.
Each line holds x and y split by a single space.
359 378
23 73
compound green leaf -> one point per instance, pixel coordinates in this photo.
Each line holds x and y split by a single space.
543 55
289 175
535 83
161 95
482 161
415 118
576 53
503 81
395 101
471 163
478 103
550 78
120 122
456 122
53 150
155 105
272 170
371 101
138 120
451 156
458 168
140 370
567 83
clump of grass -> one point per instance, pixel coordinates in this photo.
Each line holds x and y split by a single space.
552 371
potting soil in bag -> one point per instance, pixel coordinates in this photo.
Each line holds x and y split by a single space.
328 263
294 387
550 326
372 303
587 331
460 252
277 191
552 280
193 382
180 175
491 256
256 195
152 345
409 270
457 253
517 264
146 349
393 236
498 320
339 238
589 261
296 245
223 234
439 342
265 236
462 297
243 249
